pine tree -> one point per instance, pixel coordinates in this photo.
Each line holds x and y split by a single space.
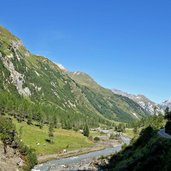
55 121
135 130
86 131
7 132
51 132
29 120
168 114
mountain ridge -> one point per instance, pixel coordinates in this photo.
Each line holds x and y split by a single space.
166 103
143 101
41 81
104 94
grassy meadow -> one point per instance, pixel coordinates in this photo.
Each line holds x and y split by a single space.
35 138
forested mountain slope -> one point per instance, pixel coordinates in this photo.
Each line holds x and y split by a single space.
34 87
111 105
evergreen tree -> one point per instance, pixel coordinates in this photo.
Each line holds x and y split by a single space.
20 132
168 114
55 121
41 123
7 132
168 117
86 131
135 130
51 132
120 128
29 120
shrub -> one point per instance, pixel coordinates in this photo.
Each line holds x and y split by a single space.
96 139
30 160
29 155
168 127
124 146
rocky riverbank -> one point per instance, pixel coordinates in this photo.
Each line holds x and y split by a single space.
65 154
86 161
85 165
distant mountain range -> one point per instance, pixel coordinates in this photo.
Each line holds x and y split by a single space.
39 80
165 104
148 105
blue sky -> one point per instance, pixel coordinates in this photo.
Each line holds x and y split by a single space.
124 44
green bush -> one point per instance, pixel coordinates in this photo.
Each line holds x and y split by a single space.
149 152
30 160
168 127
9 136
29 155
96 139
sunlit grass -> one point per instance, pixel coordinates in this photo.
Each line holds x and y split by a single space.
35 138
129 132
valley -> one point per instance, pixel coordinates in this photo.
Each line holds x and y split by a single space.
62 120
65 142
43 84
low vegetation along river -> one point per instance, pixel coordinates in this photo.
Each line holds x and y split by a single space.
74 163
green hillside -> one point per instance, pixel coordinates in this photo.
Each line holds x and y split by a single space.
110 105
33 87
148 152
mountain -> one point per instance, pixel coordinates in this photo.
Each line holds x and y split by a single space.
111 105
34 83
165 104
148 105
84 79
42 82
